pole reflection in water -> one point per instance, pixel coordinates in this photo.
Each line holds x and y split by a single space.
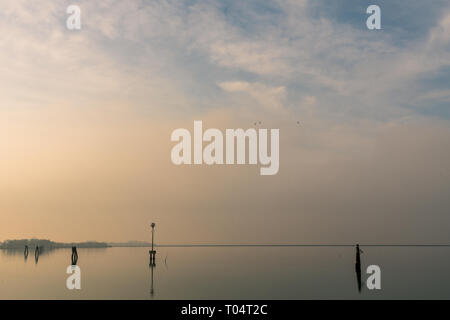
25 253
152 291
358 267
36 254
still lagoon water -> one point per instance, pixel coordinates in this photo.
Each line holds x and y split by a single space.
228 273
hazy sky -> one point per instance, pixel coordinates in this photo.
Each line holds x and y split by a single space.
86 118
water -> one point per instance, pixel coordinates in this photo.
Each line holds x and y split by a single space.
228 273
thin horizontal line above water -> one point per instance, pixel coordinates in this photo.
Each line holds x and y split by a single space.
302 245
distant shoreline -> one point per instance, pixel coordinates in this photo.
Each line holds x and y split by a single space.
32 243
48 244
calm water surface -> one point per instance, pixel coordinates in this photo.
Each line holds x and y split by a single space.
228 273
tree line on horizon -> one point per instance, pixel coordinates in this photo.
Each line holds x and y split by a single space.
31 243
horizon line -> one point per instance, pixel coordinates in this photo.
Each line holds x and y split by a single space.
140 243
301 245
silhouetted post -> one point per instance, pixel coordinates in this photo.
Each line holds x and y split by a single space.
74 255
153 251
358 256
25 253
153 231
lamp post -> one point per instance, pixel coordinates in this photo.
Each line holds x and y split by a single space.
153 231
153 252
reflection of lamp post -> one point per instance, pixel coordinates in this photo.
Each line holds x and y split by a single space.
152 291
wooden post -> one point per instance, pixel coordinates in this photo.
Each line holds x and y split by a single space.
74 255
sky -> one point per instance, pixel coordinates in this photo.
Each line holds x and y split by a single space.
86 117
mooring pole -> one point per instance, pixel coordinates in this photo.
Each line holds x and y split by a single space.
153 252
153 231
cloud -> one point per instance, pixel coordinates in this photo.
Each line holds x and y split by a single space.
134 51
272 99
